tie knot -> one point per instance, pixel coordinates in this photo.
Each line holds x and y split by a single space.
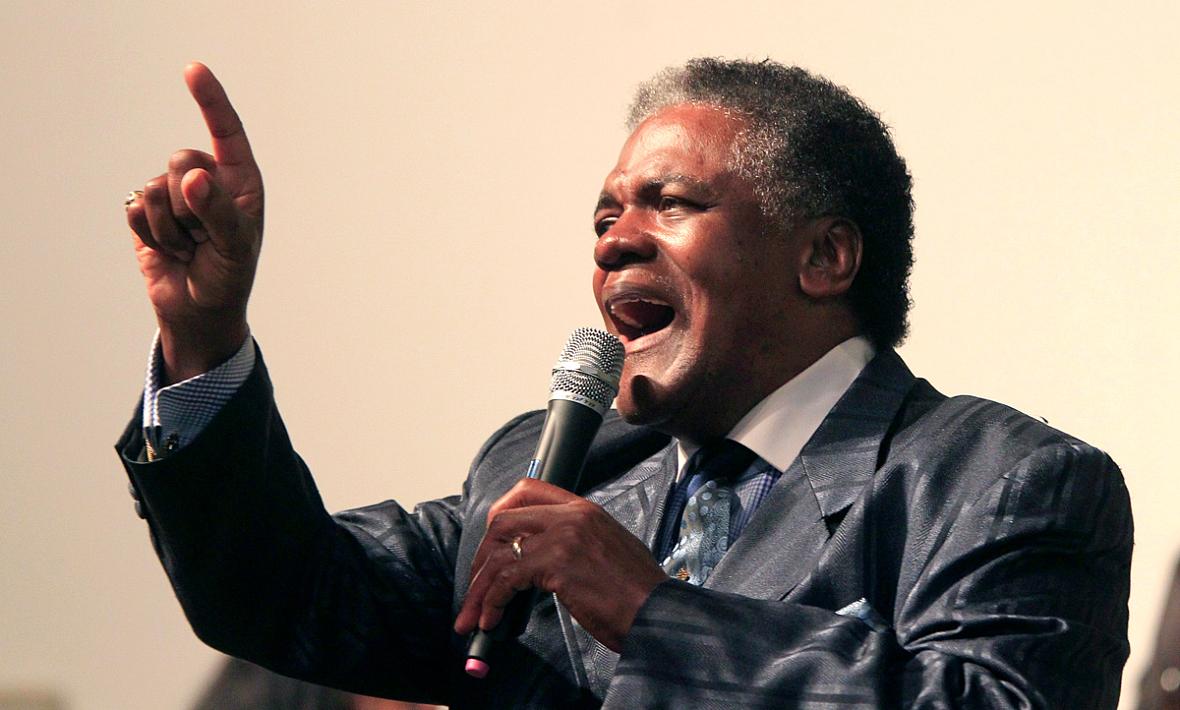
716 460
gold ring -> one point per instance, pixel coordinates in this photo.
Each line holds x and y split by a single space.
517 550
132 197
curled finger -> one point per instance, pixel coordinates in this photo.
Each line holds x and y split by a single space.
133 205
179 164
529 492
509 524
494 557
167 233
502 589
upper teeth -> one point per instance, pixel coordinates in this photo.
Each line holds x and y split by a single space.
622 315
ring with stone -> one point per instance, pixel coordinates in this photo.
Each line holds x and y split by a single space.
517 550
132 197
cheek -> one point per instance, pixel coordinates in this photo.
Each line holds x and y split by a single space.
597 279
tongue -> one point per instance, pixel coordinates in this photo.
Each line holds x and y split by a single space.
638 318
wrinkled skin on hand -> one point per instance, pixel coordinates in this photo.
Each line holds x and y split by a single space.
570 547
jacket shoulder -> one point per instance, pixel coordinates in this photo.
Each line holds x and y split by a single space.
958 450
974 425
616 448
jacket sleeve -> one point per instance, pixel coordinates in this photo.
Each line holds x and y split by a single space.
361 601
1016 597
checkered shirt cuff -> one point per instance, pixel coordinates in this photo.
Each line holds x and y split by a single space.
175 415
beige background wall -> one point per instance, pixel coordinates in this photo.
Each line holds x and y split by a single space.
431 171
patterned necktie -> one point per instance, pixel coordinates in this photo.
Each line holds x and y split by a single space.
701 502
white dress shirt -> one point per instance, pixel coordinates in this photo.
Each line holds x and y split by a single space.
777 427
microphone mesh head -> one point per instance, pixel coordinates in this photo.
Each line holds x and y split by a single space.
588 369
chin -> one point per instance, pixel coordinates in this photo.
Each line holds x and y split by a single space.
643 402
665 374
625 403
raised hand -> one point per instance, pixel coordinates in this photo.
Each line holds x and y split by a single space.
198 233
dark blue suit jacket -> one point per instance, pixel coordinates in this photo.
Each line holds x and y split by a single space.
920 552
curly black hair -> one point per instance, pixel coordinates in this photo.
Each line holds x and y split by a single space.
812 149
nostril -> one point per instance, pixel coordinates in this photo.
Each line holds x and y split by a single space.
615 249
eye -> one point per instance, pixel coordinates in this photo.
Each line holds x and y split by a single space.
668 202
603 225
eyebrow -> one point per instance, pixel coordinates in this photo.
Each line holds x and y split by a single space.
606 200
678 179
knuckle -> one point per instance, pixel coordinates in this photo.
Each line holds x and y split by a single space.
506 576
570 537
155 189
500 528
134 212
493 512
186 159
178 160
584 511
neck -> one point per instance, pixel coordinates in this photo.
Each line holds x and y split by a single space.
703 421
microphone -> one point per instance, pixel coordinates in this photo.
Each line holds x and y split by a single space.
585 382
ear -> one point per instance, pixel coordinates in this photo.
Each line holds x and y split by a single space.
830 257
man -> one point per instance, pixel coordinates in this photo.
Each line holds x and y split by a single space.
878 545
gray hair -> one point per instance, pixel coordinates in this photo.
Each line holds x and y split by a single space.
811 149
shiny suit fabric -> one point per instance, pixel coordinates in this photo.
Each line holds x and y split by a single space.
922 551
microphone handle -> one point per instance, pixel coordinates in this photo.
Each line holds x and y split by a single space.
560 456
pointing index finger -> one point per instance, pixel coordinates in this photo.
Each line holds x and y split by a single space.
230 145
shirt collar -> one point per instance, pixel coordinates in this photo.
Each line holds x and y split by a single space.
777 427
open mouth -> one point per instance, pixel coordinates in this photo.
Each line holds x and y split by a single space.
636 316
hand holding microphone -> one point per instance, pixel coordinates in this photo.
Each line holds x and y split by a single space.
542 537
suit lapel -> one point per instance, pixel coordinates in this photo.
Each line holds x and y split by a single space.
782 541
780 544
635 499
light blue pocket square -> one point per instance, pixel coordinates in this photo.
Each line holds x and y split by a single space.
861 609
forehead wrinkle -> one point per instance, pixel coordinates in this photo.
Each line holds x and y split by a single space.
655 184
678 179
622 180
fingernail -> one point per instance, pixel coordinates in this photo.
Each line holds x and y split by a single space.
185 256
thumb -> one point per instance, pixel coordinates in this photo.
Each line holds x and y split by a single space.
230 231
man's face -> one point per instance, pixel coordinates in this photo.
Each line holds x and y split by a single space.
692 278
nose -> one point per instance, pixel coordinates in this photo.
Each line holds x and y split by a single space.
624 243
